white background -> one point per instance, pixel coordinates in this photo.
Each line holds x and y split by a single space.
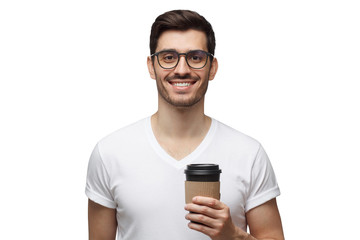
73 71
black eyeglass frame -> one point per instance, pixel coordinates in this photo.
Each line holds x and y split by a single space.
185 54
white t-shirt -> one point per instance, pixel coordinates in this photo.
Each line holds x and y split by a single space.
129 170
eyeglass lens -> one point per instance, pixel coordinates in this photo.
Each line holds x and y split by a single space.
195 59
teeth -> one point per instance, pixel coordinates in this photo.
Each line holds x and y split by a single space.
182 84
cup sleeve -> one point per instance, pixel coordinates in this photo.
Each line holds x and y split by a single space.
263 183
98 181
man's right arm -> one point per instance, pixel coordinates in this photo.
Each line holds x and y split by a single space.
102 222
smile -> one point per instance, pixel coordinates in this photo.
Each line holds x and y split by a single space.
184 84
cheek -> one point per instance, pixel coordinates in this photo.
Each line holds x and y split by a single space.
160 74
204 75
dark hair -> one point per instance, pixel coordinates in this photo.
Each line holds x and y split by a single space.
181 20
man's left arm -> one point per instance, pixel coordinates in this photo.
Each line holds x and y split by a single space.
264 221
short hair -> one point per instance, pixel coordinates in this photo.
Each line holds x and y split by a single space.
181 20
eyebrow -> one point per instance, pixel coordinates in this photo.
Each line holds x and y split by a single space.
173 49
168 49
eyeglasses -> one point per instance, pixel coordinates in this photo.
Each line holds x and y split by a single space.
195 59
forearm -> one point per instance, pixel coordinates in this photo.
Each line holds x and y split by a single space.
249 237
241 235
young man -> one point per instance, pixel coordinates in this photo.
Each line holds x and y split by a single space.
135 180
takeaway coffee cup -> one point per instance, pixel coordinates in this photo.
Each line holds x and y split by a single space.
202 180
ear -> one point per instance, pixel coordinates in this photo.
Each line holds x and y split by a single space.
213 69
151 68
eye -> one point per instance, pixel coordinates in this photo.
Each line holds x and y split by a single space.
168 56
196 56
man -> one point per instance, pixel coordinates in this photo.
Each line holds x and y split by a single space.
135 180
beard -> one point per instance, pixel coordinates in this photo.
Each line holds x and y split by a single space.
182 100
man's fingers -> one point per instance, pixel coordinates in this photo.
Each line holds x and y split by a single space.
207 201
204 229
204 210
201 219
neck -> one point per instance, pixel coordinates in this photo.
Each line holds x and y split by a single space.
186 122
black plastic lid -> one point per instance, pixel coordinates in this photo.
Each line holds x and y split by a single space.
202 169
203 172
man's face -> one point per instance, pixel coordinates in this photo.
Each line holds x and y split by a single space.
182 86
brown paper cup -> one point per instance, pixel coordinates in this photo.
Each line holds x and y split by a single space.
205 189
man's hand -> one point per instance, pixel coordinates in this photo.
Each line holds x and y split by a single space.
264 220
215 217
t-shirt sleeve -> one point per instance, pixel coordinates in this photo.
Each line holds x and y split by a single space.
263 184
98 182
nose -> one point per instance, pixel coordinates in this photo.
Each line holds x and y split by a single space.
182 66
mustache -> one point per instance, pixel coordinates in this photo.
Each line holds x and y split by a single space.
182 77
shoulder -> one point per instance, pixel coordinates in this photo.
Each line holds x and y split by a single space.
232 135
124 136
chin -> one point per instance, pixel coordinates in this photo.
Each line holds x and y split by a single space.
184 104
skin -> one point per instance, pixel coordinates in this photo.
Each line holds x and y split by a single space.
102 222
179 126
178 97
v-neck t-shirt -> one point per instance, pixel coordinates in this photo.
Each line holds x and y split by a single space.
130 171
